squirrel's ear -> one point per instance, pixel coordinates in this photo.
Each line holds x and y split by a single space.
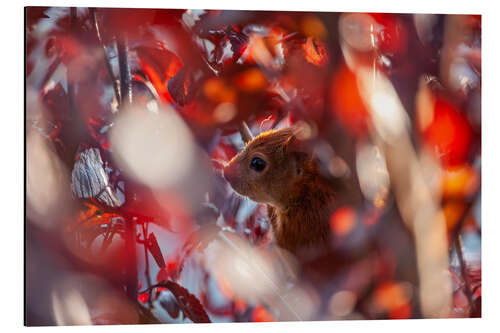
296 141
295 145
295 149
291 143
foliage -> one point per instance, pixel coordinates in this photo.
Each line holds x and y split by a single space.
209 72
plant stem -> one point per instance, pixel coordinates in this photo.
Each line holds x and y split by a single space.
146 258
125 81
130 225
116 88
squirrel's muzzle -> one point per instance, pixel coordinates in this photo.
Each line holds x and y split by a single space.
229 173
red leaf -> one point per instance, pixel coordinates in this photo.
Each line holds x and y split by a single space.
315 51
184 85
154 248
162 275
392 37
189 304
160 65
168 271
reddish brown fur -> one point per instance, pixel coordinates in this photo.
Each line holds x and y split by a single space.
300 200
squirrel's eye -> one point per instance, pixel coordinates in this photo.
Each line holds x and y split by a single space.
257 164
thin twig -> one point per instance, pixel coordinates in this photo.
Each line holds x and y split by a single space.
156 285
69 78
114 83
107 237
146 258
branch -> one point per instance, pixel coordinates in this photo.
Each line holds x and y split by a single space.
95 23
125 77
146 258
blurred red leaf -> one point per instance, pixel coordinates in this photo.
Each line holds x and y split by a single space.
155 250
343 220
449 134
223 152
127 20
347 102
392 37
260 314
219 91
393 298
251 80
184 85
460 181
402 312
90 217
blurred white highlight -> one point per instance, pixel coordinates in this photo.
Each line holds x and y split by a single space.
305 302
257 275
372 173
424 23
247 270
357 31
413 195
70 308
225 112
379 95
156 149
342 303
46 185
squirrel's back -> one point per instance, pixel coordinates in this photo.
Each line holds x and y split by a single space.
304 223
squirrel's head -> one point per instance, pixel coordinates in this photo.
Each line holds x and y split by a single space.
269 165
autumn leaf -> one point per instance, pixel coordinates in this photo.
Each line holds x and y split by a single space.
189 304
155 251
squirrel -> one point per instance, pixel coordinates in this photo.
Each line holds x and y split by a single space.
275 168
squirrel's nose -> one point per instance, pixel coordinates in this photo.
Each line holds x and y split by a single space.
229 173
